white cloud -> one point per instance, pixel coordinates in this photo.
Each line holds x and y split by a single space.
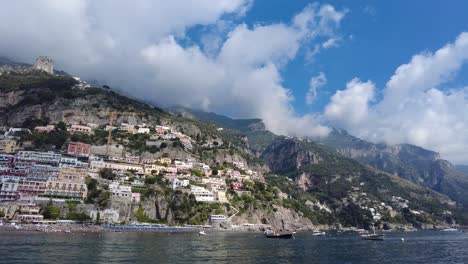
136 46
244 78
330 43
413 109
350 107
315 83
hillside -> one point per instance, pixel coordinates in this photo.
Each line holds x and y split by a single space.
421 166
340 182
321 186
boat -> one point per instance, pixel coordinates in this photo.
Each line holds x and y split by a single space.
273 234
318 233
450 230
373 236
202 233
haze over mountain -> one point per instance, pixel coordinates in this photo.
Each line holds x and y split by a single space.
232 57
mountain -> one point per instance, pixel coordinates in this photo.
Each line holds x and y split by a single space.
252 129
225 122
307 182
419 165
341 154
341 182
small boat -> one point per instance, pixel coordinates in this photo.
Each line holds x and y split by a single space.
373 236
273 234
318 233
202 233
450 230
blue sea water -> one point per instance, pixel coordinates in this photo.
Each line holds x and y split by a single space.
148 247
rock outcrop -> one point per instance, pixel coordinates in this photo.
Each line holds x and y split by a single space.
44 63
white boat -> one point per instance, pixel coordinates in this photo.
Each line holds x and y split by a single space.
202 233
450 230
318 233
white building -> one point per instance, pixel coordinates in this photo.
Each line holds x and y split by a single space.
143 130
108 216
40 157
81 129
120 191
72 162
201 194
180 183
43 172
118 166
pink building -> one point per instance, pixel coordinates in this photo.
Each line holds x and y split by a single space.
237 186
79 149
44 129
31 187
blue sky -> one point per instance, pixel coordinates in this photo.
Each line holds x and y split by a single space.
385 34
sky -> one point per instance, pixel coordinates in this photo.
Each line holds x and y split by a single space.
386 71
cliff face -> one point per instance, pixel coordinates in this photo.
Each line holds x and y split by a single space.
421 166
346 185
284 156
279 219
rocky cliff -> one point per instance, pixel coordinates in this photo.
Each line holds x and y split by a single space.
421 166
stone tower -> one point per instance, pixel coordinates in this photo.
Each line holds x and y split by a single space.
44 63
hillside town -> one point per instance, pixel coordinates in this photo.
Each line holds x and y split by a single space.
33 180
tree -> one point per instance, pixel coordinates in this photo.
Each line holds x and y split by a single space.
78 216
98 218
51 212
214 172
107 173
2 214
61 126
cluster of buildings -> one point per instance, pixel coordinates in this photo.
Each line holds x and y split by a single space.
27 176
32 174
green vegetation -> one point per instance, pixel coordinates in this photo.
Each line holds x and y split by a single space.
142 217
15 81
56 138
107 174
97 196
51 212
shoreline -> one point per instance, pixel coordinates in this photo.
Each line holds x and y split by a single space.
83 228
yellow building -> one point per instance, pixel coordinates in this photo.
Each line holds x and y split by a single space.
8 146
72 174
69 184
149 168
165 161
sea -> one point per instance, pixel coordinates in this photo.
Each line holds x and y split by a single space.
224 247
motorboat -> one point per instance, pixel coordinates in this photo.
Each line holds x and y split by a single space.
450 229
273 234
373 236
318 233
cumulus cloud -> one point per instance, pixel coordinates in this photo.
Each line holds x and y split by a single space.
315 83
142 47
414 108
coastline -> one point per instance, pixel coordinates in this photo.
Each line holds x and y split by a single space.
83 228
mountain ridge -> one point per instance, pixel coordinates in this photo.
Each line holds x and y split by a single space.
320 187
